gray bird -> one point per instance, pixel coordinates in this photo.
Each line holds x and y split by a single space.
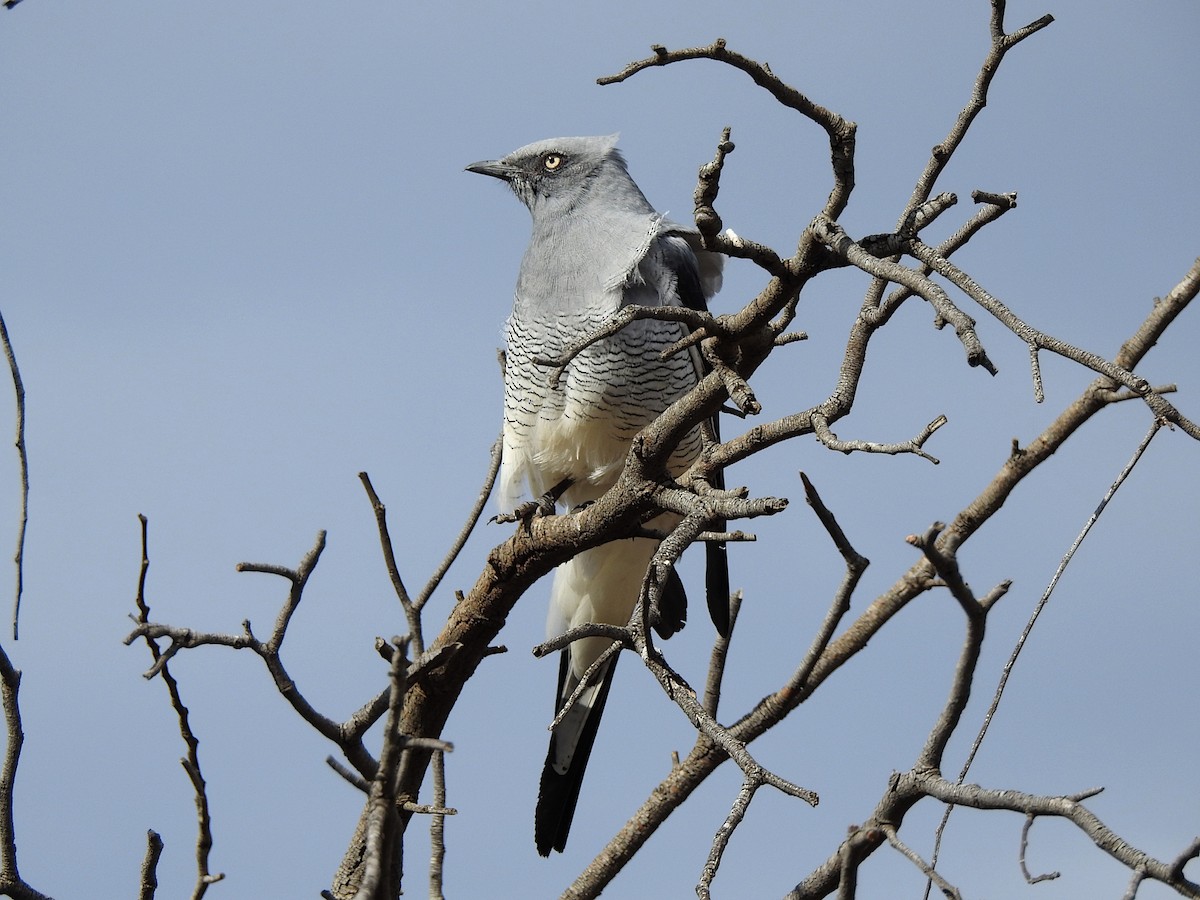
597 246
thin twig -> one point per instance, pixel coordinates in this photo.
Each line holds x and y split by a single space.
929 783
191 762
587 680
886 270
840 131
437 828
349 775
1037 611
736 814
708 220
1039 340
472 520
945 149
23 459
1030 878
856 565
945 564
912 856
829 439
389 557
718 657
692 318
993 207
347 737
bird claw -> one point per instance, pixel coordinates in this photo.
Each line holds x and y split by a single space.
542 506
527 511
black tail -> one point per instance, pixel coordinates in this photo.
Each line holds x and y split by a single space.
716 560
559 790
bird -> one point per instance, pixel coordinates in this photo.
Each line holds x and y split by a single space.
597 245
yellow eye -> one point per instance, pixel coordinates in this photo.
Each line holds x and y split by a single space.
551 161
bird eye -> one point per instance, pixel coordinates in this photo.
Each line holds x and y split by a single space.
551 161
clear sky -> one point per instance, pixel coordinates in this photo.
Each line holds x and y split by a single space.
240 262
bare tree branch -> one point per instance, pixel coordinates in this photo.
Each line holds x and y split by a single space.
348 737
1065 807
718 658
914 446
22 459
1037 340
835 237
373 865
437 829
908 853
1028 630
736 814
946 566
944 149
421 695
704 758
708 220
149 879
841 132
465 532
1029 877
11 882
389 557
190 762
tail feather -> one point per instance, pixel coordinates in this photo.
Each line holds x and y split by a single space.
716 560
716 586
669 615
570 746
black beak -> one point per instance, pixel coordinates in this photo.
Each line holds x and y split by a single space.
494 167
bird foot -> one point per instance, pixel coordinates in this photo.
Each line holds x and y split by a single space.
542 506
527 511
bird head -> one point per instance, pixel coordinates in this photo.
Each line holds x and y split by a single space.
556 174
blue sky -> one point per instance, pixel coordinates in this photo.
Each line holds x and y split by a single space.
242 262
